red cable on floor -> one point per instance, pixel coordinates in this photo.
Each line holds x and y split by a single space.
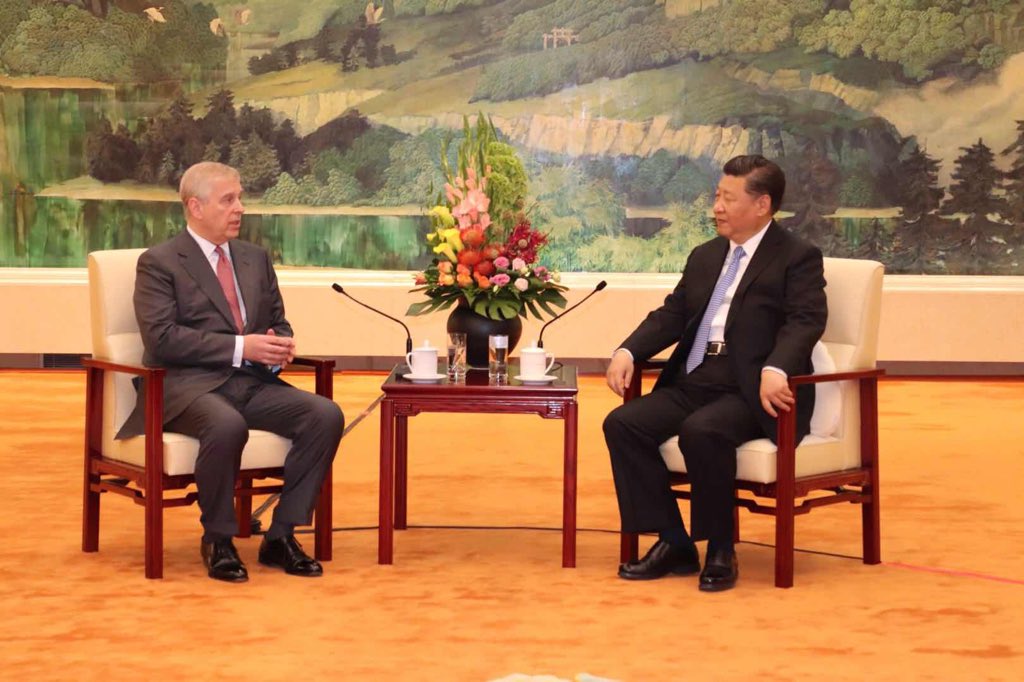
952 572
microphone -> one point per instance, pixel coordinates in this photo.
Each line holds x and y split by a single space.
408 337
540 339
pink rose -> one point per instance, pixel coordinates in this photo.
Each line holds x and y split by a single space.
521 284
500 280
501 262
518 264
542 272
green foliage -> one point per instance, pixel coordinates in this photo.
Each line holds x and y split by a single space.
666 251
975 180
918 185
756 26
63 40
919 36
991 56
412 173
256 161
590 20
112 155
574 210
1015 177
339 188
12 13
449 6
858 190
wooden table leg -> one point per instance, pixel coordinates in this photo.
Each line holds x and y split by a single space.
569 488
385 530
401 470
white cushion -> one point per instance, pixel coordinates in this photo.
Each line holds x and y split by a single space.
263 450
828 398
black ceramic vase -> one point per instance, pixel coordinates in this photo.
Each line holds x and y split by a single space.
477 328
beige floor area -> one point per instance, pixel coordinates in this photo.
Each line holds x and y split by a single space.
473 604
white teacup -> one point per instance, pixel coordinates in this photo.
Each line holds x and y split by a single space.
422 361
534 363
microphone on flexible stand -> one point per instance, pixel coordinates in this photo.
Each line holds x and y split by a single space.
408 337
540 339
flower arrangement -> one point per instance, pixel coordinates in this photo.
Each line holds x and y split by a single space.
486 249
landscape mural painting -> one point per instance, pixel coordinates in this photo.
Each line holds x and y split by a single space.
900 124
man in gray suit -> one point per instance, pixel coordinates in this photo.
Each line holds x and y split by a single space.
210 312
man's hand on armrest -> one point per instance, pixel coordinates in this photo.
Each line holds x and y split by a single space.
620 371
775 391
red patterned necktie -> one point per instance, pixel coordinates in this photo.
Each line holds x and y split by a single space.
226 275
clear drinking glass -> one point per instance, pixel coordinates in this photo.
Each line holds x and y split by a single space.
497 353
456 355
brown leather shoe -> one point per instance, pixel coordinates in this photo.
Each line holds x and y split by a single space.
222 561
286 553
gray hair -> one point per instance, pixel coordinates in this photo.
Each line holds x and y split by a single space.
196 181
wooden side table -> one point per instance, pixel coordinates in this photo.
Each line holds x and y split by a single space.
404 399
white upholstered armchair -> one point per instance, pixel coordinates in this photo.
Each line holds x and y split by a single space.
144 467
840 456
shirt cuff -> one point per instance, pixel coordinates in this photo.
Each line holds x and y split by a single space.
626 351
236 359
776 370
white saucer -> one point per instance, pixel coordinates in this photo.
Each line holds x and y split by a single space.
425 378
547 378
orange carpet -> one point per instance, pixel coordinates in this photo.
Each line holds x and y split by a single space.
482 605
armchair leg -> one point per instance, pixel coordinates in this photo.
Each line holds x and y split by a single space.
629 547
154 534
323 544
243 508
784 517
90 513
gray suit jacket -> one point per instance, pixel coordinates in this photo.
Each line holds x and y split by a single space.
186 324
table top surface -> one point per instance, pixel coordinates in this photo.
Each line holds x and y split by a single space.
477 383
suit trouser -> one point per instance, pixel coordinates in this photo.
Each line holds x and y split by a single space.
221 420
711 419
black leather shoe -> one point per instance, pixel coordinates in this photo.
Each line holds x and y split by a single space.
720 571
222 561
287 553
660 560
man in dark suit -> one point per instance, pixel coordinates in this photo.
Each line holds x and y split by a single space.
745 315
210 312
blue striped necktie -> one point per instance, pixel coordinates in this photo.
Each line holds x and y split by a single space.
700 342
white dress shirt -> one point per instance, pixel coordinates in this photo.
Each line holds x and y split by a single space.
209 250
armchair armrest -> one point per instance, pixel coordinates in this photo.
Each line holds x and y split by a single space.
153 387
138 370
835 376
323 368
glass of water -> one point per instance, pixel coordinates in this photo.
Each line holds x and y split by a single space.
456 355
497 353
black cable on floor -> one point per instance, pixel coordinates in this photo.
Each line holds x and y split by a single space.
554 529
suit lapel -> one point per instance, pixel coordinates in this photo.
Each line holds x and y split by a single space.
765 254
198 267
247 282
714 263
